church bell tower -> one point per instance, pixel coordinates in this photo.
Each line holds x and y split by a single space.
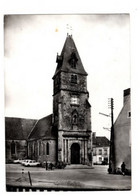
71 108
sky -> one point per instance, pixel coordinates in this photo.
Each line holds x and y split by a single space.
31 43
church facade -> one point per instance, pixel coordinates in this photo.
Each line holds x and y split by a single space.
65 135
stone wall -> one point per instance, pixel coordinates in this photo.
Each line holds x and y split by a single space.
80 86
37 150
65 110
20 149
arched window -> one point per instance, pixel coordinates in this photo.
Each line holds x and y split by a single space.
36 147
13 146
40 149
43 149
47 149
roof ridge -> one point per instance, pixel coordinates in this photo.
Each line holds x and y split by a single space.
126 101
6 117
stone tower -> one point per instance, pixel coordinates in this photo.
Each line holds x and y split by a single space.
71 109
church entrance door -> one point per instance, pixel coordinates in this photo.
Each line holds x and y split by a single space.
75 153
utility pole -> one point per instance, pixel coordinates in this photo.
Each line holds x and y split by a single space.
112 147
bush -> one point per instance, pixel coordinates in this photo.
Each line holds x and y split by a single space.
60 165
128 172
9 161
104 163
118 171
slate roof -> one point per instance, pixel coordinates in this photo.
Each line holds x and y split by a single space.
43 129
122 118
68 48
18 128
100 142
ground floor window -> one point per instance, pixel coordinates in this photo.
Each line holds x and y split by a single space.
100 159
43 149
47 148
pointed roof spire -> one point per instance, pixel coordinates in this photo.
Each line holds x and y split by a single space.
69 51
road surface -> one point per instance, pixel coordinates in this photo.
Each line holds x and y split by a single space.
71 177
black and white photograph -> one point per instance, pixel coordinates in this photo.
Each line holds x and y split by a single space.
67 89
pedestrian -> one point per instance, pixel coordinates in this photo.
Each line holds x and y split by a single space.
110 168
123 168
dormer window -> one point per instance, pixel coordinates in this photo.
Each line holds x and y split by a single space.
73 63
74 79
73 60
59 60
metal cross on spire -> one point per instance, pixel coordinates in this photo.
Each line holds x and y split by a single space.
69 29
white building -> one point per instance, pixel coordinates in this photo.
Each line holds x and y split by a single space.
100 150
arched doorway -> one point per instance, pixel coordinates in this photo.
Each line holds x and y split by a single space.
75 153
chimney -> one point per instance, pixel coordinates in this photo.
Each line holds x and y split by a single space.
126 93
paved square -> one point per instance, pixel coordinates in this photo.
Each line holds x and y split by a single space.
70 177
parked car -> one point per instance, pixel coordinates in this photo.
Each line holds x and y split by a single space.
31 163
17 161
25 161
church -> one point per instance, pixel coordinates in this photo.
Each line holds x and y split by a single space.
65 135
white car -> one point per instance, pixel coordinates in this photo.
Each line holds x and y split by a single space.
31 163
18 161
25 161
